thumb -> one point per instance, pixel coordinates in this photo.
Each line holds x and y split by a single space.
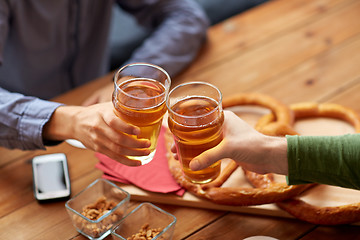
208 157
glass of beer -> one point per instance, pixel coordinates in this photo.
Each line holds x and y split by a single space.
196 119
139 98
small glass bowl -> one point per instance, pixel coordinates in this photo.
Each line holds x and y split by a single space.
97 208
146 218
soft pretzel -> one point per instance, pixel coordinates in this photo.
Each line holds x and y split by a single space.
283 116
238 195
310 109
344 214
229 195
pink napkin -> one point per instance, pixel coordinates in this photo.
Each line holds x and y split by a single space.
154 176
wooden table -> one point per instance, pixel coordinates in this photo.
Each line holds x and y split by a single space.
295 51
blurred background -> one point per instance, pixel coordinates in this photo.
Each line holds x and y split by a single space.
122 45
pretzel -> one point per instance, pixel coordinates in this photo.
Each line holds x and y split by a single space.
240 196
283 117
310 109
344 214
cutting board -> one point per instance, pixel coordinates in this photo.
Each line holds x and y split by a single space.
320 195
190 200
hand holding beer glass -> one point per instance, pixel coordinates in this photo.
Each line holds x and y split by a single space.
196 119
139 99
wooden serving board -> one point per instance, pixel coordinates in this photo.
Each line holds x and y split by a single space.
190 200
320 195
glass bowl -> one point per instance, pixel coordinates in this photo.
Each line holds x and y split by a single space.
146 220
97 208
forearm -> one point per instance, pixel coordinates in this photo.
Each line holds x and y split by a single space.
22 120
329 160
274 149
61 124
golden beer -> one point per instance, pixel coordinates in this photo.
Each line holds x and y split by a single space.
196 123
140 101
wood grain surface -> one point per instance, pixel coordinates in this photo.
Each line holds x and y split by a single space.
295 51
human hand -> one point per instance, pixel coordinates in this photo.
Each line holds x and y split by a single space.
250 149
99 129
103 94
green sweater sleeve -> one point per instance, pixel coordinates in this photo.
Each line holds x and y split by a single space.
332 160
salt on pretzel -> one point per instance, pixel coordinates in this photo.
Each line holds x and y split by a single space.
300 209
241 196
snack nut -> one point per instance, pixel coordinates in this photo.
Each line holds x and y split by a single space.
93 212
146 233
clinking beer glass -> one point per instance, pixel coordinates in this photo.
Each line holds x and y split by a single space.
140 90
196 121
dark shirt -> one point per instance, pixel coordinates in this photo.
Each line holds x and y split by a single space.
48 47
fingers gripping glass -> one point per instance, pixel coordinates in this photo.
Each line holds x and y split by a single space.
195 119
139 96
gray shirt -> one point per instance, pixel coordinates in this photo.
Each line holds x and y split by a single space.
48 47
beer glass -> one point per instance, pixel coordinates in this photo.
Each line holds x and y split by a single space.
140 90
196 119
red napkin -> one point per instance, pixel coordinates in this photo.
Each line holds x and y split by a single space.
154 176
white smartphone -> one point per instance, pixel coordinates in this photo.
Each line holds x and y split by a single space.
51 177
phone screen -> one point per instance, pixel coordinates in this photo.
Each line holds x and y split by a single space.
50 176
